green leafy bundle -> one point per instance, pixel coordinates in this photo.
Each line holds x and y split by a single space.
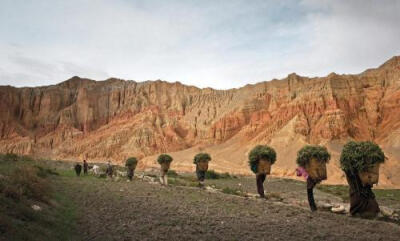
305 154
164 158
131 162
201 157
359 156
261 152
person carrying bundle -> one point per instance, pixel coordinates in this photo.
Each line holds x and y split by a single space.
131 164
109 170
85 167
165 161
360 162
201 160
78 169
312 166
261 158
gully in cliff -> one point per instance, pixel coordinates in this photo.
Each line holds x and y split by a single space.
312 166
201 160
165 162
260 160
131 164
360 162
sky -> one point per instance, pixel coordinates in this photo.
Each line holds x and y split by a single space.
207 43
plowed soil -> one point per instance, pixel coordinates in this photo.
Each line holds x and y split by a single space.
139 210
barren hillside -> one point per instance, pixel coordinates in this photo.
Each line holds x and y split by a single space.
114 119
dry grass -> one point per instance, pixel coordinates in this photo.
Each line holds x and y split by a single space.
24 182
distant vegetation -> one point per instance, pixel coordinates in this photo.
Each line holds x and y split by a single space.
172 173
232 191
211 174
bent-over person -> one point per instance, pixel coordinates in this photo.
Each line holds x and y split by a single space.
201 161
131 164
78 169
261 158
165 162
360 161
85 167
109 170
311 161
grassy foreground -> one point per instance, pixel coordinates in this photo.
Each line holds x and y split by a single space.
115 209
24 183
384 196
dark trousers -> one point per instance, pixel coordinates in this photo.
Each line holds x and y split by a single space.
200 175
362 199
260 178
310 194
130 174
78 169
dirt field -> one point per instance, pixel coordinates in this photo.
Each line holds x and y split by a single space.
139 210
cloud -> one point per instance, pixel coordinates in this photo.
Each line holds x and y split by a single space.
222 44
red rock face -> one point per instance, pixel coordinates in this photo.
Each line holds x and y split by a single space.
114 119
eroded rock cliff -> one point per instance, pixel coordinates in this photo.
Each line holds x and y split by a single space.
114 119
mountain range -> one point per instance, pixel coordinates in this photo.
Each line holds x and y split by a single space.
115 119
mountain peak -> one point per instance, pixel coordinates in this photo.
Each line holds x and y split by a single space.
75 82
392 62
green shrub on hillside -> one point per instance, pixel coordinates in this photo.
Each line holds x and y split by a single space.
211 174
26 182
10 157
359 156
305 154
172 173
261 152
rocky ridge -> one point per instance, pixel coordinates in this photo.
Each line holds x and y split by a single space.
113 119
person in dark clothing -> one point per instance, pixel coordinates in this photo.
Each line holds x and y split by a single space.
360 162
261 158
310 193
85 167
131 163
311 161
130 173
201 161
362 199
201 175
78 169
109 170
260 178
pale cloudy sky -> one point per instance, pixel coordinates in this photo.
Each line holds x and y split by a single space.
208 43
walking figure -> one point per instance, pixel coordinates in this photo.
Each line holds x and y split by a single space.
78 169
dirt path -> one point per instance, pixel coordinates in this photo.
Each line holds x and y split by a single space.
142 211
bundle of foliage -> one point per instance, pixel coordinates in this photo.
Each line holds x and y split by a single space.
305 154
261 152
201 157
164 158
131 162
359 156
